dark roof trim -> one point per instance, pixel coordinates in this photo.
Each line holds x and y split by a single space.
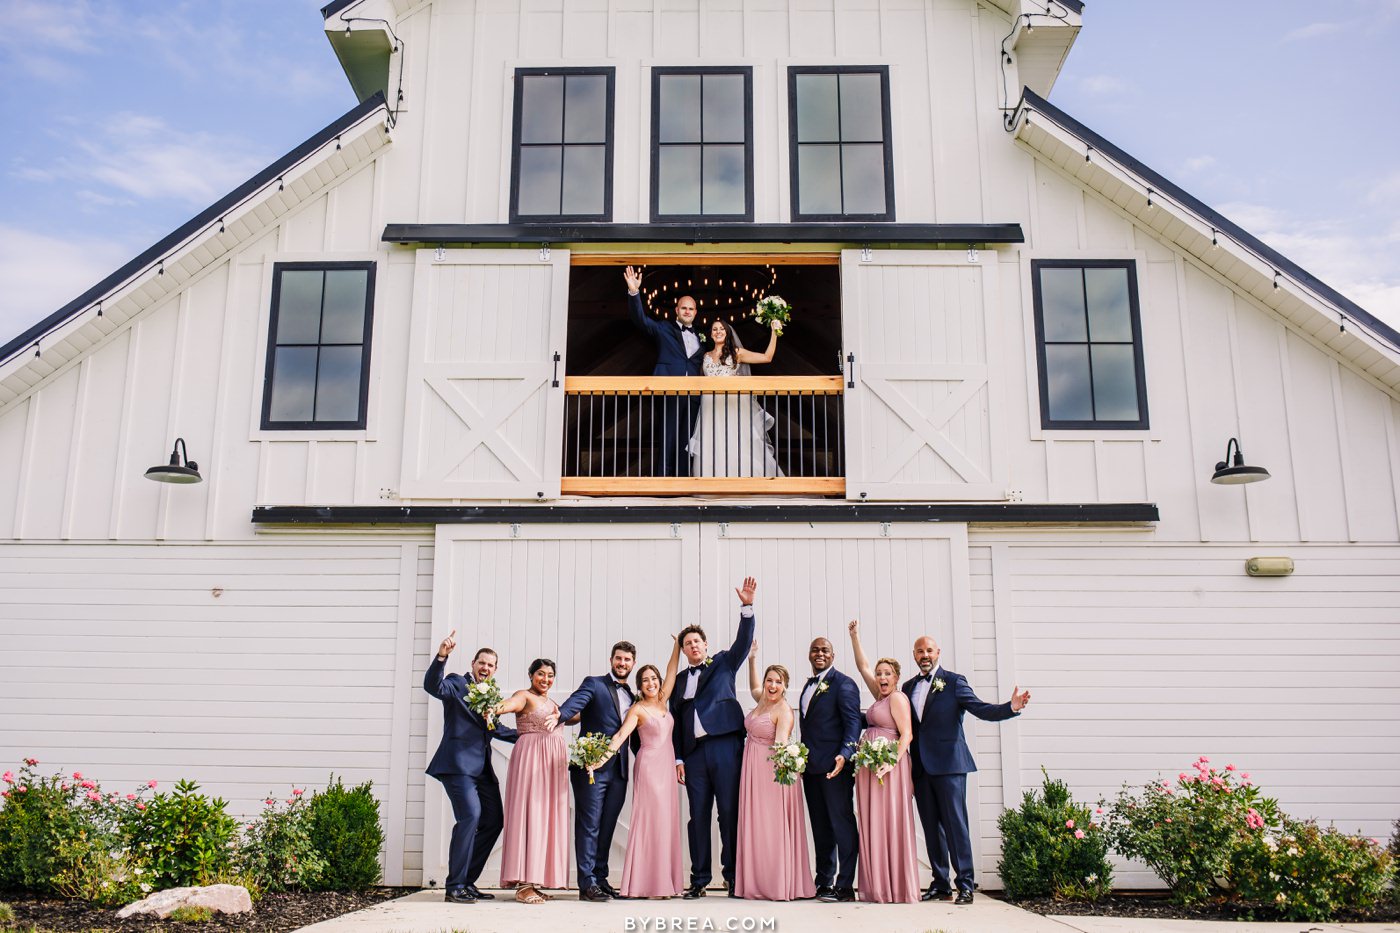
704 233
192 227
1017 513
1075 6
1226 226
330 9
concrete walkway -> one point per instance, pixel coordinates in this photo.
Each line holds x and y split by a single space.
426 912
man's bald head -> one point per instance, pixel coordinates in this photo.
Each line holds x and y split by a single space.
926 653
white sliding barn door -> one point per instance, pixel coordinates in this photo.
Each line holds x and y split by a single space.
920 418
483 417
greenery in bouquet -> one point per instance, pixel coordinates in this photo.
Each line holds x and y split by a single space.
589 751
789 762
1053 847
872 753
483 697
773 309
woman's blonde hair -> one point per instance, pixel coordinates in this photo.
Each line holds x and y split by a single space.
891 662
781 671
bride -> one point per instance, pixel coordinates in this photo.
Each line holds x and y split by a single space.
731 430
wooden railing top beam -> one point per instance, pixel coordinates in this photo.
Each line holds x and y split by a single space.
695 385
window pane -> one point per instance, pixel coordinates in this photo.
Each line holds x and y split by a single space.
539 180
724 180
678 180
586 109
1067 383
724 108
816 109
1062 304
862 117
819 179
293 384
1110 317
343 320
338 384
863 179
299 306
583 179
1115 383
541 108
679 107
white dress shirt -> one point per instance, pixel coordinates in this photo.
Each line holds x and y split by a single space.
692 679
811 690
921 690
624 698
692 342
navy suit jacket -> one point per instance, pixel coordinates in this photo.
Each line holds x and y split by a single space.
595 704
831 725
939 746
671 358
715 702
466 742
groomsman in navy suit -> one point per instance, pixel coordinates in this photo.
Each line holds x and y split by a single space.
829 714
463 764
942 762
679 352
600 703
709 741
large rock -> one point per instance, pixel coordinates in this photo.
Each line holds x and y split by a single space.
220 898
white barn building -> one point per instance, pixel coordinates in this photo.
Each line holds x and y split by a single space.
401 358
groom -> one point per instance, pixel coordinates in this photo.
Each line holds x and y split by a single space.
678 353
709 742
938 698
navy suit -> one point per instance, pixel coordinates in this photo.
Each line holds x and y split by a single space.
462 763
677 411
941 764
712 762
831 727
597 805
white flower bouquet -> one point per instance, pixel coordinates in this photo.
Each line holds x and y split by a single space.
483 697
875 752
789 761
773 309
589 751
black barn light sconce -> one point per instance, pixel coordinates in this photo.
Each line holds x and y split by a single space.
181 469
1233 471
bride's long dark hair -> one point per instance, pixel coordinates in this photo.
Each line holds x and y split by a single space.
731 343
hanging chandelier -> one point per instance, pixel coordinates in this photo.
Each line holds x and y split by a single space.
719 291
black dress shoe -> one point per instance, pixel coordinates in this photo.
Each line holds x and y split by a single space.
825 891
964 897
459 896
694 891
936 894
611 891
594 893
845 895
480 895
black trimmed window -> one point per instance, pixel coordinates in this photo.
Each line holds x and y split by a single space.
840 155
1088 335
317 375
561 162
702 144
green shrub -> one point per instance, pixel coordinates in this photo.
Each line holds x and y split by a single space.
346 832
184 837
1188 833
1309 873
191 914
7 914
1052 846
1395 863
277 853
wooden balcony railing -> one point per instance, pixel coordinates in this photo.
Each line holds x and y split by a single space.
684 435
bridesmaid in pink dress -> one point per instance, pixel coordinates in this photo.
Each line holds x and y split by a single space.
887 873
653 867
771 863
536 850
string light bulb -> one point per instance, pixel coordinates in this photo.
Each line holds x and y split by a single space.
99 309
1214 238
1088 151
221 225
1276 274
1150 205
36 350
160 269
337 144
279 182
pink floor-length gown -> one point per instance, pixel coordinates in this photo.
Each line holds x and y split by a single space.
653 867
772 863
887 872
536 849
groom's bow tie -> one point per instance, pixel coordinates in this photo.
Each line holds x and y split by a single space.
686 328
695 669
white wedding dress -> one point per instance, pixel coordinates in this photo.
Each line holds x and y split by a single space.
731 431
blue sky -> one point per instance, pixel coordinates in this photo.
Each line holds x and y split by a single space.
123 119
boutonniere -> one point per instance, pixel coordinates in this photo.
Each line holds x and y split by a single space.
701 338
709 661
937 685
823 687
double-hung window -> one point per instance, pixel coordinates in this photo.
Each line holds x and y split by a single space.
561 167
317 375
1088 333
839 143
702 144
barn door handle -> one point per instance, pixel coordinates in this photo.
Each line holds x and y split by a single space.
851 373
556 369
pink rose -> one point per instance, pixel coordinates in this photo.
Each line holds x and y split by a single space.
130 796
151 784
1169 819
93 795
1182 777
31 761
1244 776
8 777
5 794
21 789
297 791
140 806
268 802
88 784
77 775
290 801
1098 810
1253 820
1204 760
1229 767
1079 834
1069 824
65 785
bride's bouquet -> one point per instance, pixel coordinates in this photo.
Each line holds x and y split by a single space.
589 751
789 761
771 309
483 697
875 752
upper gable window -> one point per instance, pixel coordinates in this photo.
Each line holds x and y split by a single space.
1089 344
317 375
839 143
561 168
702 144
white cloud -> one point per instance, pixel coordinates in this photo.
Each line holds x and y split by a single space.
43 273
1312 31
40 34
1197 164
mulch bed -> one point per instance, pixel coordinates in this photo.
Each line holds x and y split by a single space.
274 913
1156 906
